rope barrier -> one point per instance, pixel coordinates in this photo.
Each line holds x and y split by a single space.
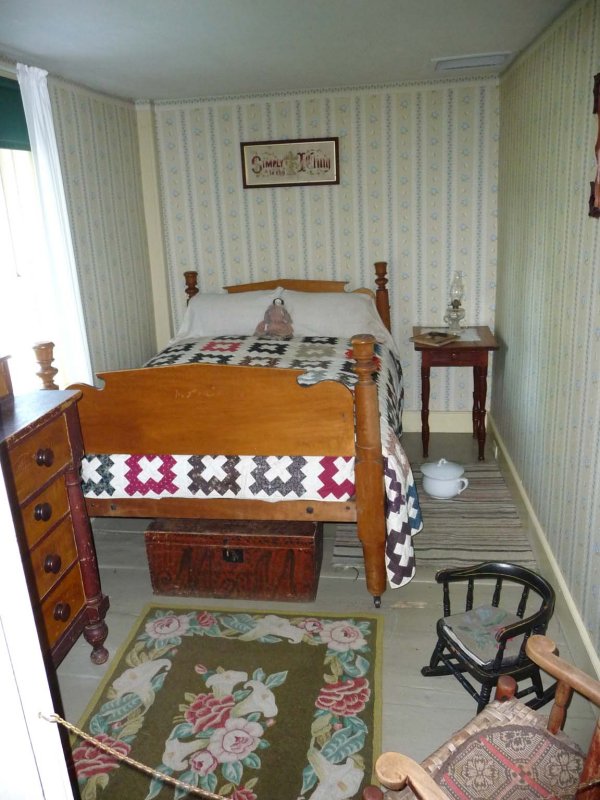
130 761
174 781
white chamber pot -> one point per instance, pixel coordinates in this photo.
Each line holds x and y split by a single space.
443 479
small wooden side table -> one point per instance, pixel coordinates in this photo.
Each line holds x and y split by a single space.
457 354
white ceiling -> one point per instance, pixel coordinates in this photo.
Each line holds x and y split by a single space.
159 49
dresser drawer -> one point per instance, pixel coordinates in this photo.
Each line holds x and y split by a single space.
53 556
62 605
42 513
40 456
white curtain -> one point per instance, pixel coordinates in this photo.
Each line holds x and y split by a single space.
58 275
23 320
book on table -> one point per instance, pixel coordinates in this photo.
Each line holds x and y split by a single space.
435 338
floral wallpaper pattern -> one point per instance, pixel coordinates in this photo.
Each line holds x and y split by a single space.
546 403
418 180
98 146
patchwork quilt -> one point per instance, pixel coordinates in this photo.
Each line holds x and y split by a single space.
275 478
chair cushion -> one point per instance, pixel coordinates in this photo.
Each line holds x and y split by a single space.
513 762
476 763
474 633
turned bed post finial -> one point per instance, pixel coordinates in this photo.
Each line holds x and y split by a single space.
382 298
191 284
44 354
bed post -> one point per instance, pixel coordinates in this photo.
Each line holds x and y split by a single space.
44 355
191 284
382 299
370 491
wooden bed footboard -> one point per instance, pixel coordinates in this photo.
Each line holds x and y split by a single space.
208 409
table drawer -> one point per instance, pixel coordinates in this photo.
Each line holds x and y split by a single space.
53 556
40 456
42 513
62 605
454 358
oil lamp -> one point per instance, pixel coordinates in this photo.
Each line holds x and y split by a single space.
455 312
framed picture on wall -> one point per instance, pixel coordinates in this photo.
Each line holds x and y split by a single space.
290 162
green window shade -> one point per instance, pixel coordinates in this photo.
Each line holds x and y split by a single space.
13 128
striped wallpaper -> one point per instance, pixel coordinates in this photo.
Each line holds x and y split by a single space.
418 188
98 146
546 398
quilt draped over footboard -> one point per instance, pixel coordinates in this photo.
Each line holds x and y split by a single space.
276 478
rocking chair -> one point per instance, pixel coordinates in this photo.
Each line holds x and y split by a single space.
509 750
488 640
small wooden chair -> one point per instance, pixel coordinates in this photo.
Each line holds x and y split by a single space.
509 750
487 639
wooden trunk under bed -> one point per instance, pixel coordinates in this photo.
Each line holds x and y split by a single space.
257 560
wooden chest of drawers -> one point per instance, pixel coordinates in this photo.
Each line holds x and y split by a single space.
40 452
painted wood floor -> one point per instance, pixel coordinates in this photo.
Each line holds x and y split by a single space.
418 713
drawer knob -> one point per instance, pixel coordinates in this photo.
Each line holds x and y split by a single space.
52 563
44 457
42 512
62 612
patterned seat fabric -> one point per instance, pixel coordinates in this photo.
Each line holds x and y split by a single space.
504 752
512 761
474 632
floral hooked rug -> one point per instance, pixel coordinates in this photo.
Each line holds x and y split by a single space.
251 706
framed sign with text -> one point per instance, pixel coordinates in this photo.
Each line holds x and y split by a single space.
290 162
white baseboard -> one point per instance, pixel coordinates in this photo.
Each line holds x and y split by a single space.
439 421
578 640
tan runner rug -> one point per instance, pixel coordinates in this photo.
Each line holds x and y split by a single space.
481 524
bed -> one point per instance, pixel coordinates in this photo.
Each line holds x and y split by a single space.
320 441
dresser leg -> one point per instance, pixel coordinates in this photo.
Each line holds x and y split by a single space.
99 654
96 631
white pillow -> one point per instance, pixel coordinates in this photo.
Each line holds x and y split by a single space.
341 314
235 314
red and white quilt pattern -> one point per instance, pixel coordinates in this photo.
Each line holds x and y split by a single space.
270 478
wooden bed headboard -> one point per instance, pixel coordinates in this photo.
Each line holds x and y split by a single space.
44 351
382 300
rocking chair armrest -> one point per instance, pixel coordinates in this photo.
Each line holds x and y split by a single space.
485 569
526 625
395 771
543 651
453 574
